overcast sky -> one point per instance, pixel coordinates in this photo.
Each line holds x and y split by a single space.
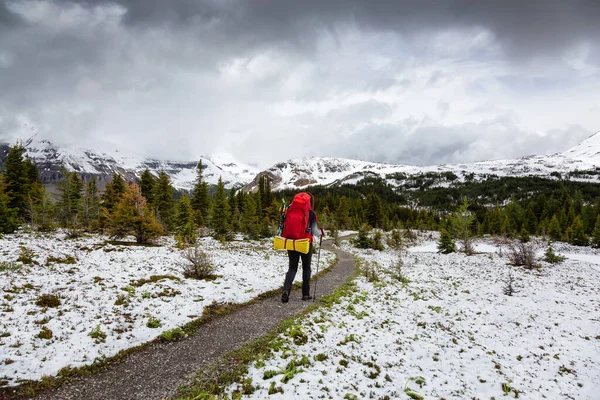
411 81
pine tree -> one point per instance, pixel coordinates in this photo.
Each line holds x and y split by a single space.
362 241
8 216
577 236
113 192
131 215
578 202
90 205
554 229
220 216
588 217
40 207
261 195
596 233
184 221
249 225
234 214
530 223
147 183
446 244
163 200
200 200
374 214
69 188
342 213
19 174
461 221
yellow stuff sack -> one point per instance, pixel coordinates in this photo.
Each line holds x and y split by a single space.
301 245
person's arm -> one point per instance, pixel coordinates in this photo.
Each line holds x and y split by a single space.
314 229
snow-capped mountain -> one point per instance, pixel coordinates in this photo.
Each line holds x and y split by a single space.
302 172
89 163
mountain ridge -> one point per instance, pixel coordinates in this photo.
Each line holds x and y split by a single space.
100 165
299 173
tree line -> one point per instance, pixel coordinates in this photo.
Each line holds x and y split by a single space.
151 207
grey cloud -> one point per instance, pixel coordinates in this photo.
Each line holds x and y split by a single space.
524 27
429 145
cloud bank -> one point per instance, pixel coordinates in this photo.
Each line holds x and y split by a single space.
419 82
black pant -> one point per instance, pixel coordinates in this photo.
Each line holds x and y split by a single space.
294 258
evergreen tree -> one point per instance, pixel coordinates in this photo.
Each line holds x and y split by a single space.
163 200
184 221
362 240
40 207
113 192
374 214
577 236
132 216
234 214
249 225
220 216
446 244
578 203
91 205
342 213
147 183
554 229
19 174
69 189
588 216
461 221
530 223
200 200
596 233
8 216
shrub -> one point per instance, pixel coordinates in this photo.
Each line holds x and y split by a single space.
362 241
509 288
377 241
446 245
9 266
395 240
48 300
370 273
68 259
551 257
26 256
197 264
121 300
153 323
398 272
45 333
172 335
97 334
522 254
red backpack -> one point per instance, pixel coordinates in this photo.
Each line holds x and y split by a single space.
296 218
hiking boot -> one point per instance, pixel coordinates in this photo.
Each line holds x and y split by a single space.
285 296
307 297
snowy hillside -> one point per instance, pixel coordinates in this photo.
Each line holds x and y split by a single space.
90 163
301 172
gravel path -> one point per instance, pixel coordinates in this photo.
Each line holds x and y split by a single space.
158 370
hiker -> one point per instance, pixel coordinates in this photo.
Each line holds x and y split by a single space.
300 210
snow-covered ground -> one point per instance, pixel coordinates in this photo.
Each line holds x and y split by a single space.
449 333
104 291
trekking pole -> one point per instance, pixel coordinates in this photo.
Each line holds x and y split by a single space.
318 259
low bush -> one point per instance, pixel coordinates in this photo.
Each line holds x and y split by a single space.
48 300
197 264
